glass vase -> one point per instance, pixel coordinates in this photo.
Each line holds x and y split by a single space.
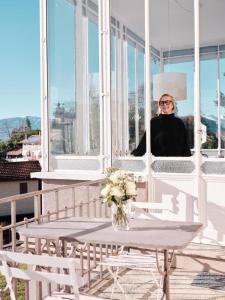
120 217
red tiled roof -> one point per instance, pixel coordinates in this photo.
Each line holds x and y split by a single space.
18 170
15 152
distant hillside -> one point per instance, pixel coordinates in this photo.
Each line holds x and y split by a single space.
7 125
210 124
209 121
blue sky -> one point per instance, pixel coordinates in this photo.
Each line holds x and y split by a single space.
19 58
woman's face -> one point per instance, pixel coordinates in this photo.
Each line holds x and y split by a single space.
166 105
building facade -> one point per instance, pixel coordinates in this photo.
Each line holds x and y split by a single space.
14 180
97 97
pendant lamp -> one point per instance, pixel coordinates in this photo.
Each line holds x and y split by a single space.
172 83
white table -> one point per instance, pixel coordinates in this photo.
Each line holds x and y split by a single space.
149 234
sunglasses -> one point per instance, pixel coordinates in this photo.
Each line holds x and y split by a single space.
167 102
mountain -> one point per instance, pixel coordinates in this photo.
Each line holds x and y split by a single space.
210 123
7 125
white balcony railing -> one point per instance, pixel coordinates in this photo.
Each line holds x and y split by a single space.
84 205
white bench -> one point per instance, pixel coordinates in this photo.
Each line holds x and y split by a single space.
49 273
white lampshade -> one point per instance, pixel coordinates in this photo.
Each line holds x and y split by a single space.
171 83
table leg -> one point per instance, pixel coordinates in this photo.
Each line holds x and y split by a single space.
166 287
88 267
37 295
67 288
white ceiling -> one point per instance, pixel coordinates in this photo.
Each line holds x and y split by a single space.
174 27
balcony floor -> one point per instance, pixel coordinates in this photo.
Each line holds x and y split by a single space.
199 274
184 285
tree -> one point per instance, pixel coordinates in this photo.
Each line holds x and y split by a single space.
27 123
2 146
15 139
222 100
211 142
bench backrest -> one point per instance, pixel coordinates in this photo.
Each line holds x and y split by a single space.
8 260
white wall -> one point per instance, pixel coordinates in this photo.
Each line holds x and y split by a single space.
65 196
81 194
214 232
10 188
180 191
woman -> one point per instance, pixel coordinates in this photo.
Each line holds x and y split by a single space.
168 133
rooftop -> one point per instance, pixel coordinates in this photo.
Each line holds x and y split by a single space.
18 170
32 140
15 152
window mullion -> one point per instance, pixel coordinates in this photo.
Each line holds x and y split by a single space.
219 102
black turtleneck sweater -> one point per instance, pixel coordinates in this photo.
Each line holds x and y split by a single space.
168 137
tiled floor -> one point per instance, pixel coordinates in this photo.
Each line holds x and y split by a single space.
184 285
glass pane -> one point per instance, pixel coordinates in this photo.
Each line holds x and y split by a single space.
73 81
212 79
61 76
93 137
185 108
173 42
155 63
209 103
131 95
141 95
127 81
115 101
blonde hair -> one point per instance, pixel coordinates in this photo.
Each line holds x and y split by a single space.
171 99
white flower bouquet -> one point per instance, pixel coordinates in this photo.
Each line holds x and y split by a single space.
118 188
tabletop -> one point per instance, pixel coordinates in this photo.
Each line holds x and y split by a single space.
157 234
